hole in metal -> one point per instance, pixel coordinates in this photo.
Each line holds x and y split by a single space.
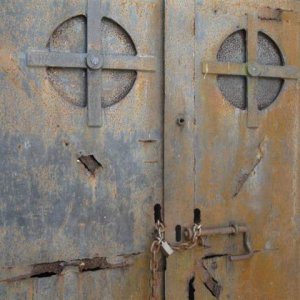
43 275
180 120
178 233
157 213
192 289
46 270
197 216
90 163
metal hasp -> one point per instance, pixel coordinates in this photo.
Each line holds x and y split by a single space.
226 230
252 70
94 61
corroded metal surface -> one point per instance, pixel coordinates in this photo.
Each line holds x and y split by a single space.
247 175
94 61
70 192
76 209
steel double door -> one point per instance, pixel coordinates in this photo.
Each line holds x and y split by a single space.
110 107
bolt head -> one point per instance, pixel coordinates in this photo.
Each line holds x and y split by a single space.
254 70
94 61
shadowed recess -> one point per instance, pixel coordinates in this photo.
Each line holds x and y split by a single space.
192 289
90 163
178 233
157 213
197 216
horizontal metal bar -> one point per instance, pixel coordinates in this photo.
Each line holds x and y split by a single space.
128 62
209 231
56 59
223 230
232 229
285 72
220 68
78 60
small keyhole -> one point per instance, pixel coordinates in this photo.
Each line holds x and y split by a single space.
178 233
197 216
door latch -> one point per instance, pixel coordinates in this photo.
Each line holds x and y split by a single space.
226 230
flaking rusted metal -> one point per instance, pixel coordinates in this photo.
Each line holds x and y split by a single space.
216 162
165 75
53 209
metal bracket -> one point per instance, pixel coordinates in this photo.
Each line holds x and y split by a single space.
94 61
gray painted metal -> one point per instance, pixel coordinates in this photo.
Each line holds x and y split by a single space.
93 61
66 233
76 204
76 60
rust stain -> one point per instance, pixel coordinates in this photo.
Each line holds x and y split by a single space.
84 265
259 166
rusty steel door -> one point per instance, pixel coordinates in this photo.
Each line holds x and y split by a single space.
110 108
80 146
232 148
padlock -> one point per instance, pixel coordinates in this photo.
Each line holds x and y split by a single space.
166 248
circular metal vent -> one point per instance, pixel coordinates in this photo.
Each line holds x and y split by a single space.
234 88
70 36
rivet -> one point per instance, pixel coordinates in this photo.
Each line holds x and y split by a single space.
94 61
254 70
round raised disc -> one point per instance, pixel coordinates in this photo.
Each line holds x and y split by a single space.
94 61
254 69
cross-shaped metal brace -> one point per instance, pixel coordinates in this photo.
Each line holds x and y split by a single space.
94 61
252 70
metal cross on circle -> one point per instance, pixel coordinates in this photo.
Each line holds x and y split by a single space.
94 61
252 70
